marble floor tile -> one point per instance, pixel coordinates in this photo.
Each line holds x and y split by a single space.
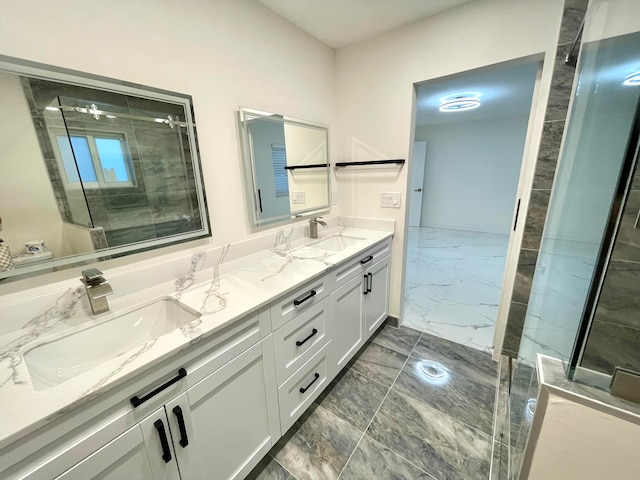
269 469
379 363
354 398
452 394
401 339
318 445
453 282
499 462
372 460
469 362
440 445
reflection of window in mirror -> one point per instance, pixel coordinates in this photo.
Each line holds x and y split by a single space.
281 178
98 159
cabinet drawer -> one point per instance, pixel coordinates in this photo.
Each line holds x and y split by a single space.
286 308
304 386
300 339
356 266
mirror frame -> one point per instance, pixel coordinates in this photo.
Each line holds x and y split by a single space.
17 66
251 185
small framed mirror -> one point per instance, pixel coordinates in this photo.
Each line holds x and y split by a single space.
93 168
286 163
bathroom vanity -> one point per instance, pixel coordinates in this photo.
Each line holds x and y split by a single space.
190 375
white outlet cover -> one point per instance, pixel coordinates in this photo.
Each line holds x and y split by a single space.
298 197
390 199
334 198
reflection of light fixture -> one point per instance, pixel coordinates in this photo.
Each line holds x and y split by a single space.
433 372
51 109
531 407
111 116
633 79
457 103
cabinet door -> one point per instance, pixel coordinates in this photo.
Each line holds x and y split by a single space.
136 454
228 421
376 302
346 323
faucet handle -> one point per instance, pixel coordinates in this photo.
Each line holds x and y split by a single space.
92 276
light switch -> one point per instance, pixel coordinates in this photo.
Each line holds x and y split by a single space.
298 197
390 199
334 198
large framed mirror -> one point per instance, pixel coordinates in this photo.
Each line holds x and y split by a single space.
93 168
286 162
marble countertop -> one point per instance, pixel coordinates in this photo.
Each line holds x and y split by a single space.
222 291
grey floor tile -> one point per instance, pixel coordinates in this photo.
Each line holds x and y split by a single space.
378 363
401 339
318 446
466 361
269 469
441 446
500 462
354 398
372 460
457 396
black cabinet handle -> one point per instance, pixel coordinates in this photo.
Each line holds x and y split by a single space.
302 342
366 260
366 286
136 401
370 282
312 293
315 377
166 451
184 441
260 200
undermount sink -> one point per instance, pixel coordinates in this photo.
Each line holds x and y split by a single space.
58 360
336 243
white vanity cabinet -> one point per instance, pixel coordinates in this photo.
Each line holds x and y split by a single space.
359 304
136 454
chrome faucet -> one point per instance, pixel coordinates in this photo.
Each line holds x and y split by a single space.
313 226
97 290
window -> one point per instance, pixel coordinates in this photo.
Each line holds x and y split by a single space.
281 178
98 159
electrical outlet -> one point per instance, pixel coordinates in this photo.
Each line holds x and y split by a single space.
334 198
298 197
390 199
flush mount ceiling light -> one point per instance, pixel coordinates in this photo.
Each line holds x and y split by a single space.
633 79
460 102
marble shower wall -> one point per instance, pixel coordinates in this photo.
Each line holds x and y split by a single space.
614 338
554 124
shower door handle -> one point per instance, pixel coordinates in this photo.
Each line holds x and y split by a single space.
418 190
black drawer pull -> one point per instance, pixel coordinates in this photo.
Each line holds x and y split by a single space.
166 451
312 293
137 401
315 377
366 284
302 342
370 282
366 260
184 441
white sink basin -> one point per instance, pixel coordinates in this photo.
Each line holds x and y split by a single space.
336 243
57 360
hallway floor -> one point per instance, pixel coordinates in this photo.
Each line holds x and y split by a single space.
387 416
453 283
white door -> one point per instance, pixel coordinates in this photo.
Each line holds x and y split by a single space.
227 421
376 302
346 322
417 182
143 452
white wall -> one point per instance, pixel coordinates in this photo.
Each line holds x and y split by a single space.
27 203
375 94
471 173
225 53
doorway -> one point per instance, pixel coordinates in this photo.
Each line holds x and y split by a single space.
470 133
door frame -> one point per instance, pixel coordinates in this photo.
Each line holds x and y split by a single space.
535 126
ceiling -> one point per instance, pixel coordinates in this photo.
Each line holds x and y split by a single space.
502 92
341 22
